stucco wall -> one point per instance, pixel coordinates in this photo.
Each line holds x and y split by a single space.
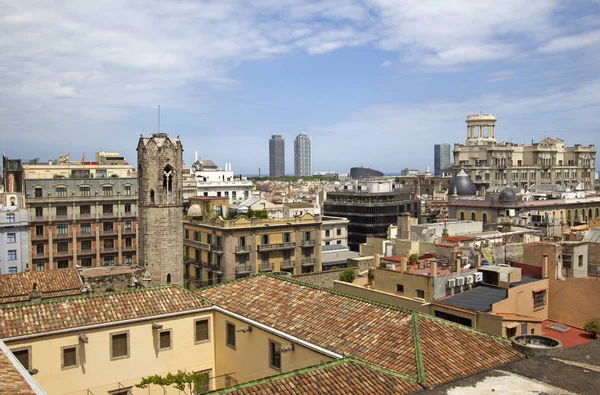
387 281
379 296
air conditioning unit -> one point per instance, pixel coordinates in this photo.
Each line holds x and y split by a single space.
390 267
478 277
469 279
460 281
451 283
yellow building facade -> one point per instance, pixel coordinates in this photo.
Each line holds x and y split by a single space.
219 250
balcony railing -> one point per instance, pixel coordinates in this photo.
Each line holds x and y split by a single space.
242 249
128 248
63 253
192 262
216 248
108 215
198 244
243 268
308 243
62 235
85 233
108 249
108 232
39 237
266 267
287 264
85 215
62 217
41 255
278 246
127 231
309 262
213 267
86 251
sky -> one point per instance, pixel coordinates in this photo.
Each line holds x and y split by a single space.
375 83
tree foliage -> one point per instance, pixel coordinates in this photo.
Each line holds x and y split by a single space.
413 257
592 326
182 380
348 275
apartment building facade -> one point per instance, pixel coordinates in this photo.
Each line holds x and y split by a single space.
491 163
82 221
210 180
14 239
218 250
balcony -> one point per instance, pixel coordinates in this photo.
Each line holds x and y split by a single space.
242 269
308 243
108 249
85 234
213 267
41 254
266 267
192 262
108 215
62 217
85 215
62 235
40 237
127 231
63 253
40 218
108 232
309 262
129 248
216 248
278 246
243 249
86 251
197 244
287 264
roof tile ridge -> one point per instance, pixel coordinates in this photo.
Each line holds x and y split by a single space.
421 377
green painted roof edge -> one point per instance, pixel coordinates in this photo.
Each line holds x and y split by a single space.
312 368
418 351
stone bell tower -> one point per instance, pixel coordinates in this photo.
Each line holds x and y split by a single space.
160 208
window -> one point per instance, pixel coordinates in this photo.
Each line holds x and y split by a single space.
86 245
109 243
122 391
208 238
61 191
539 298
127 189
127 224
219 194
85 211
327 233
69 357
86 262
339 232
264 239
287 237
23 355
128 208
580 260
107 209
63 264
242 242
62 229
107 227
511 332
420 294
12 269
234 194
164 340
12 255
218 241
230 335
399 288
201 330
129 259
84 191
39 212
10 218
39 192
226 193
274 355
339 242
40 266
11 237
202 385
119 345
85 228
109 260
306 236
107 191
128 242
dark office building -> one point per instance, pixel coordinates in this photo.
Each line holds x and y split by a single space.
276 156
442 164
364 172
370 214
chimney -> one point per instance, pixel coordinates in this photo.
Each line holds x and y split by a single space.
433 267
404 226
458 265
478 259
35 295
377 260
403 264
545 267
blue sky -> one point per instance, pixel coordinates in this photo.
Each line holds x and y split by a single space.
375 83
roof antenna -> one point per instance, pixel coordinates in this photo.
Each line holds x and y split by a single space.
159 118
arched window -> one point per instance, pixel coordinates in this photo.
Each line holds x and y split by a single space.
590 214
484 218
168 178
152 196
568 215
169 278
462 216
472 216
597 212
576 215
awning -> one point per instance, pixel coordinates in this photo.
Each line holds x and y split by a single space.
511 325
540 289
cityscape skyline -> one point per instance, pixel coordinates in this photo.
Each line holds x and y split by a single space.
340 73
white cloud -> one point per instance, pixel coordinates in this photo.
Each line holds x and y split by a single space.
499 76
573 42
385 63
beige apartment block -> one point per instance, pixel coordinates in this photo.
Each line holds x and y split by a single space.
491 163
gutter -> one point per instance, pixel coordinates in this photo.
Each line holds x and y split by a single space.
279 333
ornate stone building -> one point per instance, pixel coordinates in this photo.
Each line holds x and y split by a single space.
491 163
160 230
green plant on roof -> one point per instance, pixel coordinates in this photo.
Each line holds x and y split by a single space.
413 257
348 275
592 326
182 380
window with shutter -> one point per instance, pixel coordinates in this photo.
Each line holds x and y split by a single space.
24 356
201 330
165 339
119 345
69 357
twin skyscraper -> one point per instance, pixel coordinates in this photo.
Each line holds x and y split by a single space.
302 156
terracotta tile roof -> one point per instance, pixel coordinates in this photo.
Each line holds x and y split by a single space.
346 376
459 238
405 342
56 314
395 258
11 380
50 283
